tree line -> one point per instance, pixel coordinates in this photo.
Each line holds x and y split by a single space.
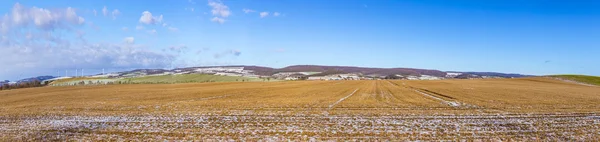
28 84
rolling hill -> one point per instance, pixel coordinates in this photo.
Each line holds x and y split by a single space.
592 80
186 78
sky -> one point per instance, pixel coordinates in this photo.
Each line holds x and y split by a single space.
536 37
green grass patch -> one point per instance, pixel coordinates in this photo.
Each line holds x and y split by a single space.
594 80
78 79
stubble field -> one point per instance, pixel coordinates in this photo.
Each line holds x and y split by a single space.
484 109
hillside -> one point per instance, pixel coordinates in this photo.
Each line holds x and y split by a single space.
258 70
252 73
592 80
362 70
185 78
156 79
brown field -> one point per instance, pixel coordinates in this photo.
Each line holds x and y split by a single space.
483 109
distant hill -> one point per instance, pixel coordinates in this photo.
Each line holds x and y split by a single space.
592 80
327 70
489 74
4 82
186 78
155 79
362 70
39 78
260 72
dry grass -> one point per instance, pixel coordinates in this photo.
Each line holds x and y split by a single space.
500 109
518 95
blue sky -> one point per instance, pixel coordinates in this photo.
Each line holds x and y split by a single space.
515 36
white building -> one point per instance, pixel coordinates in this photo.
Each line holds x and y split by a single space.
221 69
325 78
317 78
227 74
452 74
349 76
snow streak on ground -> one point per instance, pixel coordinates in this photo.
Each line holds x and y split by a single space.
450 103
342 99
572 81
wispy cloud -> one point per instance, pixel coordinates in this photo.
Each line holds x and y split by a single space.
139 27
264 14
218 20
228 52
105 11
248 10
189 9
115 13
199 51
219 10
129 40
173 29
178 48
153 31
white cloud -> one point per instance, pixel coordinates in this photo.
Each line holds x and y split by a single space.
80 20
248 10
219 9
264 14
228 52
26 51
276 14
218 20
125 29
41 18
129 40
105 11
95 12
164 25
173 29
139 27
115 13
178 48
191 1
147 18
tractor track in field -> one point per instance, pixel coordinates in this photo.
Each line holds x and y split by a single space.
445 99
